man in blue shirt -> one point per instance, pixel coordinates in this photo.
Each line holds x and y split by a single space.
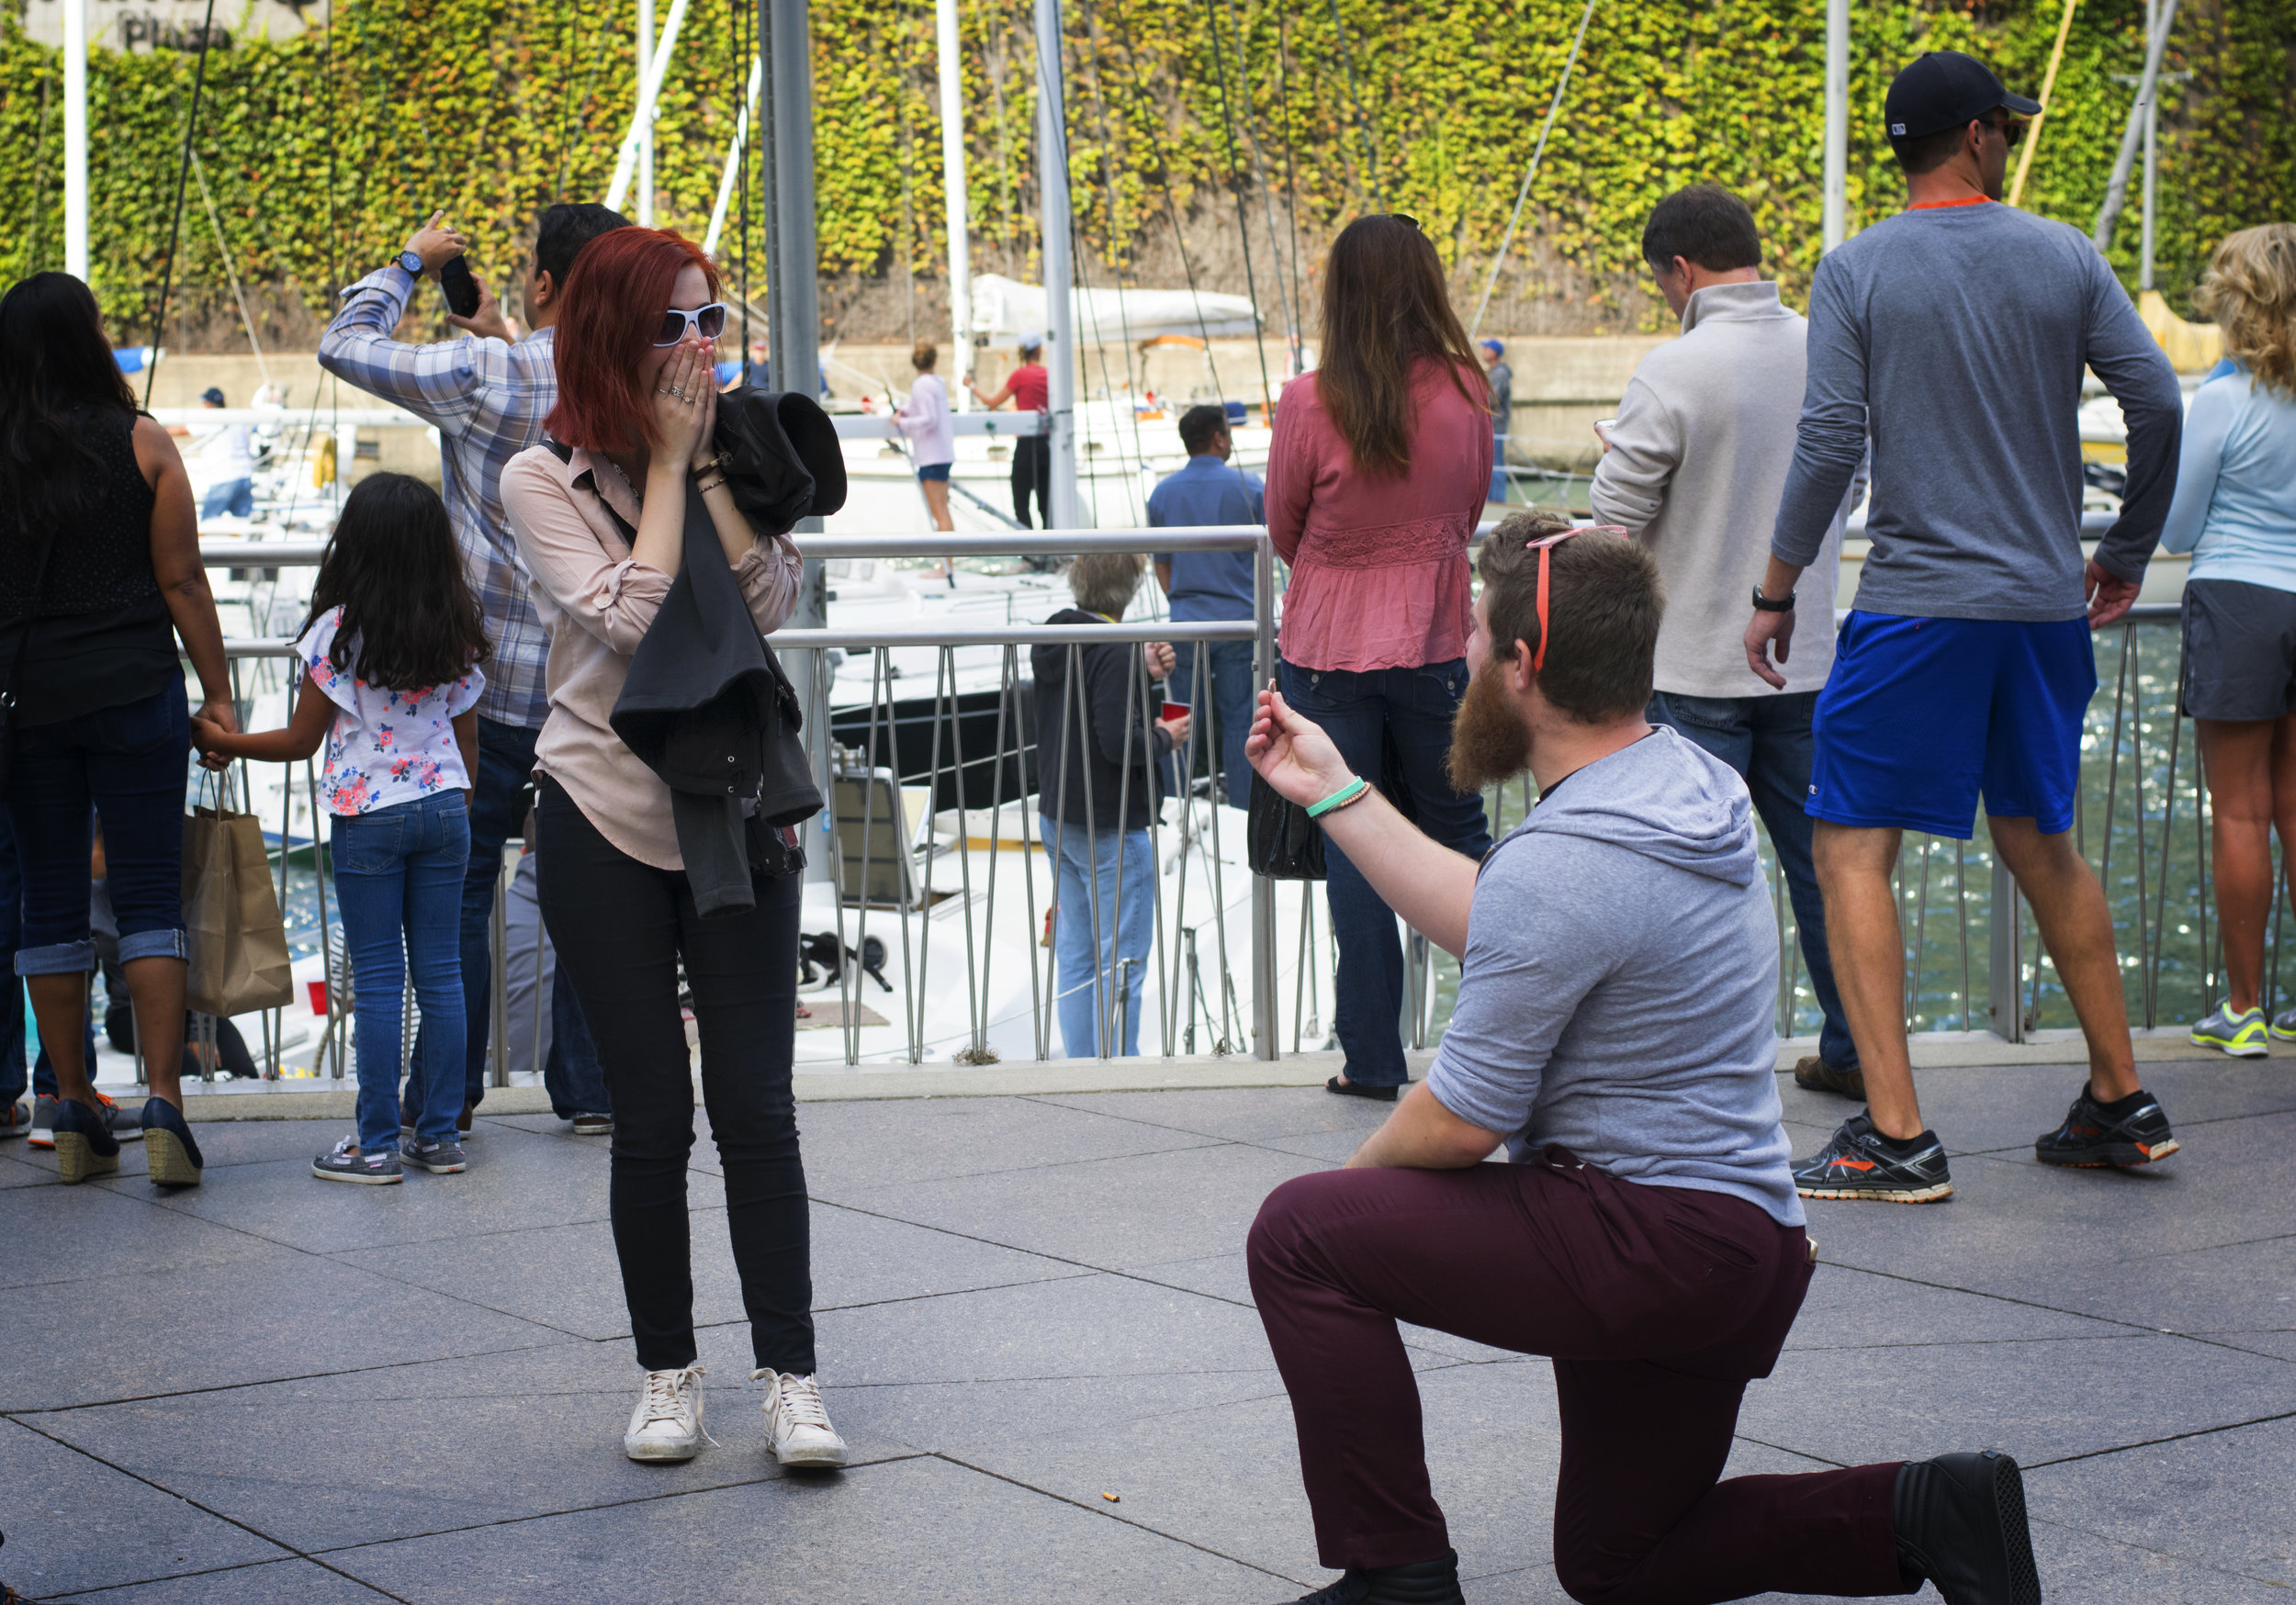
1211 585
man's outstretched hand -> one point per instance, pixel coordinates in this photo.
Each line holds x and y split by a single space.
1292 753
2109 596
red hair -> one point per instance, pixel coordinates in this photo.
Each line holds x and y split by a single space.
615 296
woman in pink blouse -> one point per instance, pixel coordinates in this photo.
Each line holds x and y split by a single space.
602 533
1375 482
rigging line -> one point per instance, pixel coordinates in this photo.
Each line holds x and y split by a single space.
1163 181
175 223
1523 194
1363 125
200 171
1243 217
1259 167
1116 249
741 164
1291 187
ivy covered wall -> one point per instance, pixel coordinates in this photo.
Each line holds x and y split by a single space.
320 152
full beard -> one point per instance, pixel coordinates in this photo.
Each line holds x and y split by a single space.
1489 744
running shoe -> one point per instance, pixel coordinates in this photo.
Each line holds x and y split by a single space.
1425 1582
796 1424
1814 1074
2284 1026
170 1153
2125 1135
83 1142
44 1133
2244 1036
16 1118
123 1127
344 1162
1960 1524
587 1124
667 1424
1860 1162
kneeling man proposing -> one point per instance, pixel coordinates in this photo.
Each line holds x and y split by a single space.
1618 974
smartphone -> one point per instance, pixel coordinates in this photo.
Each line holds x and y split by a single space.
462 290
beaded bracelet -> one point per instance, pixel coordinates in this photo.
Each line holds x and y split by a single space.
1339 799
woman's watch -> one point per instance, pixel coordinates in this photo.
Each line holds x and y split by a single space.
1762 604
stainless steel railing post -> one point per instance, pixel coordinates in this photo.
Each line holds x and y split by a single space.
2005 948
1264 1003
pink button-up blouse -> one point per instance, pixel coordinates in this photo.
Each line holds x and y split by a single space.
1379 576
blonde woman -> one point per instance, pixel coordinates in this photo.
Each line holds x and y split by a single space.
2236 512
925 421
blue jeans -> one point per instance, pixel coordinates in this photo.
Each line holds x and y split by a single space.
1768 741
1498 464
1364 713
571 1073
1230 694
127 764
236 497
1084 984
397 871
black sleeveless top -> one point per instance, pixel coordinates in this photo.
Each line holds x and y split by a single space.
102 635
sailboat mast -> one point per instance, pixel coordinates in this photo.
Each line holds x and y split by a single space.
1060 345
646 127
1837 220
952 184
75 139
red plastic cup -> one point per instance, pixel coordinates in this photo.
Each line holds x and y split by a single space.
1172 711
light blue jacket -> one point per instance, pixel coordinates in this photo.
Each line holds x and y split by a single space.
2235 504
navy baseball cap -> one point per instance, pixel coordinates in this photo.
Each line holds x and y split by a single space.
212 395
1944 89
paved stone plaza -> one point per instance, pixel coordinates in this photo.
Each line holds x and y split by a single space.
270 1390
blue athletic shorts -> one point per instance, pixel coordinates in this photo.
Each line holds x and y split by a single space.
932 471
1922 715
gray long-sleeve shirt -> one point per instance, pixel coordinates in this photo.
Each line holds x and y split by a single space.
1955 337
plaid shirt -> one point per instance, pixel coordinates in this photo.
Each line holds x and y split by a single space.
487 400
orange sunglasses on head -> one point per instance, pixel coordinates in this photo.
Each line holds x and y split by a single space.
1538 659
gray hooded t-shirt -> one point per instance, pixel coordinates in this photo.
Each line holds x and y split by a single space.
1619 992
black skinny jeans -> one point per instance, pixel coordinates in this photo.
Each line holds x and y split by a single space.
620 927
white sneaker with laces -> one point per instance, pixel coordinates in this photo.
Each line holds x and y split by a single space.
795 1423
667 1424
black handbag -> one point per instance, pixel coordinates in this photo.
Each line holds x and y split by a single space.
16 673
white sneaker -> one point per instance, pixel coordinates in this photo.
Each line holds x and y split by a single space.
667 1424
795 1423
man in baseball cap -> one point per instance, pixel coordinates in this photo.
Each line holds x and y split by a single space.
1952 339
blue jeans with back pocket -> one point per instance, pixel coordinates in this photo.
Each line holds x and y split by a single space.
398 874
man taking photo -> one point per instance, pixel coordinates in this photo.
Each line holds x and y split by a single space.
487 396
1953 336
1617 972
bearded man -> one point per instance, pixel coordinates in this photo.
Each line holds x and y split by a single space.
1618 971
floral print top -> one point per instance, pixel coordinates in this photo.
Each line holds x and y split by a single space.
387 747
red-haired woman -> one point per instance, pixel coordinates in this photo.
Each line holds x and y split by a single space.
602 533
1376 478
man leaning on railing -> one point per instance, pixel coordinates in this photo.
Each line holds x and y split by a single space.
487 396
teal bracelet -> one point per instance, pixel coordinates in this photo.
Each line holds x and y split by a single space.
1339 799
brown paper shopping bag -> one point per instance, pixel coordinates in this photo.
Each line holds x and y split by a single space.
239 945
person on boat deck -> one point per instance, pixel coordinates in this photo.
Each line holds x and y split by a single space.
925 421
1211 585
600 511
230 448
1950 340
1691 468
2236 512
1501 378
1100 753
1618 974
1028 388
488 396
1375 477
100 583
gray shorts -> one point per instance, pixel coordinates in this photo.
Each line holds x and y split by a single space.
2239 650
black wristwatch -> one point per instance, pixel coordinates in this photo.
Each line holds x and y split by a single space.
411 263
1762 604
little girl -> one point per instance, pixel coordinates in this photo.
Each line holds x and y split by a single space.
390 647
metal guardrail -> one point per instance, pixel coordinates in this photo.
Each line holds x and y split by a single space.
2142 797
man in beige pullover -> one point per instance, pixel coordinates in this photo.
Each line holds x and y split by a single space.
1694 468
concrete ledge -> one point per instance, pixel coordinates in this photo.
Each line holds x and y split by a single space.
1022 1078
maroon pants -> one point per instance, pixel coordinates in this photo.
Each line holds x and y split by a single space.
1658 1305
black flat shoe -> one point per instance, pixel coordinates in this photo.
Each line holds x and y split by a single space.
1960 1524
1355 1089
1426 1582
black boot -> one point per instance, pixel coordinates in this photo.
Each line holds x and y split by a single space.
1960 1524
1425 1582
